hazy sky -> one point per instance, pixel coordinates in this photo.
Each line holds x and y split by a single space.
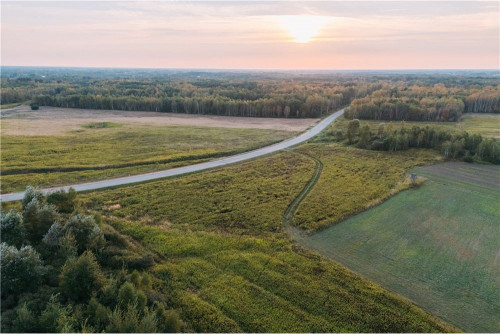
252 35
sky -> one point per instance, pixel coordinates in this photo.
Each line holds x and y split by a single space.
252 35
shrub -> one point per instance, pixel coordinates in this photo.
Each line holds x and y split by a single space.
81 277
65 202
38 218
34 106
30 194
86 232
25 321
132 320
145 262
21 269
56 318
12 229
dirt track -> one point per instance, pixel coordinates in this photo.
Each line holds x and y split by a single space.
23 121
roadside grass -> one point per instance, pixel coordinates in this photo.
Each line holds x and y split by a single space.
117 151
437 245
353 180
230 267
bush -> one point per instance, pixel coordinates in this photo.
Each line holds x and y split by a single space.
81 277
132 320
12 229
38 218
65 202
56 318
145 262
22 269
87 233
129 295
34 106
25 321
29 194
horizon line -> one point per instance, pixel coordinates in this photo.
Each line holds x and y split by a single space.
254 69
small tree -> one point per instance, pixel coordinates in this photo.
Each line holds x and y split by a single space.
364 137
81 277
87 233
352 130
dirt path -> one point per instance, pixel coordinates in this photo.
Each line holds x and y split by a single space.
289 213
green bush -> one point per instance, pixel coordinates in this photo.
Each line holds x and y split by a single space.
65 202
12 229
25 321
81 277
21 269
56 318
87 233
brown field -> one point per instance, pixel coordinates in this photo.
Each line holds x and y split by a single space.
22 121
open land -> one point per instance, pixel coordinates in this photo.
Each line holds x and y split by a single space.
437 246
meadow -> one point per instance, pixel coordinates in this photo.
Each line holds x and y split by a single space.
100 150
229 264
353 180
437 245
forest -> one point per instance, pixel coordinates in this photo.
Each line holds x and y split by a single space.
64 271
426 96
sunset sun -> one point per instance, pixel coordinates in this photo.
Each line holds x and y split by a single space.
303 28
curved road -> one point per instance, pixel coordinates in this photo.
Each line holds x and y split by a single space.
193 168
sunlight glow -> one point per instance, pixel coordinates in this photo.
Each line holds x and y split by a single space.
303 28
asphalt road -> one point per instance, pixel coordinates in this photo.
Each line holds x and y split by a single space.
190 169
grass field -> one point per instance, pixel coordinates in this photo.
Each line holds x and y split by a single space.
484 124
352 180
437 245
102 149
228 263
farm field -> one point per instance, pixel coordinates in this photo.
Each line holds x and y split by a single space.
437 245
21 120
99 150
229 263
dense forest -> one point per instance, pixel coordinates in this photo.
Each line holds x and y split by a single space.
65 271
432 96
438 102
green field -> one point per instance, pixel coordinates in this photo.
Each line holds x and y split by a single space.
228 264
437 245
100 151
485 124
353 180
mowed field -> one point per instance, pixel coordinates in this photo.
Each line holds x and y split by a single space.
57 146
438 245
228 264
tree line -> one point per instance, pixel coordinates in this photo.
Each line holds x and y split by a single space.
428 103
378 96
453 145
